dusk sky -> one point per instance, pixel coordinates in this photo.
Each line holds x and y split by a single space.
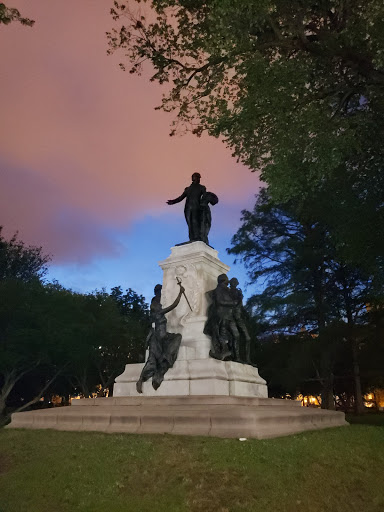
87 164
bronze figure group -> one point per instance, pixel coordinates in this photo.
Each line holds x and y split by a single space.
225 324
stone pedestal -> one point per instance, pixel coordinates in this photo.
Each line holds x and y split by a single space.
197 265
194 373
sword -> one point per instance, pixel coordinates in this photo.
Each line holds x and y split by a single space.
179 283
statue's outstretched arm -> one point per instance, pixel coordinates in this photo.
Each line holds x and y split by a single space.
172 306
178 199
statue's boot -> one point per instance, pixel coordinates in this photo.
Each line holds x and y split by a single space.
223 355
215 355
226 352
216 351
226 355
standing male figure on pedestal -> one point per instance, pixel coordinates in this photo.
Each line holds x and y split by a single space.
193 195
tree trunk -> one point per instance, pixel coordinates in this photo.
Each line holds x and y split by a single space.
327 398
9 382
354 344
359 402
2 412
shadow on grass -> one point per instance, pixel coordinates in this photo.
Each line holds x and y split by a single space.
369 418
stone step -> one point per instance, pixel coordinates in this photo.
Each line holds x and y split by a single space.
186 400
235 419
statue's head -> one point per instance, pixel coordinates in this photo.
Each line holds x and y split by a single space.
158 289
233 282
196 177
222 280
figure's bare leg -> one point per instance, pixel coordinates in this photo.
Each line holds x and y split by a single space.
235 341
248 350
139 386
146 373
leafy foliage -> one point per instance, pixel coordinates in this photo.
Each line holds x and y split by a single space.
313 305
240 68
18 261
9 14
53 340
294 88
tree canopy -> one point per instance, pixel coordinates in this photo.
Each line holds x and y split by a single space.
9 14
56 341
320 309
20 261
53 340
296 89
274 78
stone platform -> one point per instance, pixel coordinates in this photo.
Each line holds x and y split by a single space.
217 416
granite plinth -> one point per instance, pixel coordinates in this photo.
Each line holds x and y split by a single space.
216 416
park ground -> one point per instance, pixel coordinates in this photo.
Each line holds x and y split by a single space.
333 470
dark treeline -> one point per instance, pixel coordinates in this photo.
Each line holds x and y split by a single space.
318 316
54 341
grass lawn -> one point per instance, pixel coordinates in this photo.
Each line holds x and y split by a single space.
335 470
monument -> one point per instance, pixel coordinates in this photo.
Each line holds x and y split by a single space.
194 380
206 317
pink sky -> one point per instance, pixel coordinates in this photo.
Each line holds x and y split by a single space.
82 150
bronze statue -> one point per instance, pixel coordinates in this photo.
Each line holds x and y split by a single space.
221 325
197 212
237 296
205 214
163 346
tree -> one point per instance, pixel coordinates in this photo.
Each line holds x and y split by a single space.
19 261
47 331
32 339
294 88
9 14
305 288
135 313
121 324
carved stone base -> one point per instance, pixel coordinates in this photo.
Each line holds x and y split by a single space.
197 377
197 265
